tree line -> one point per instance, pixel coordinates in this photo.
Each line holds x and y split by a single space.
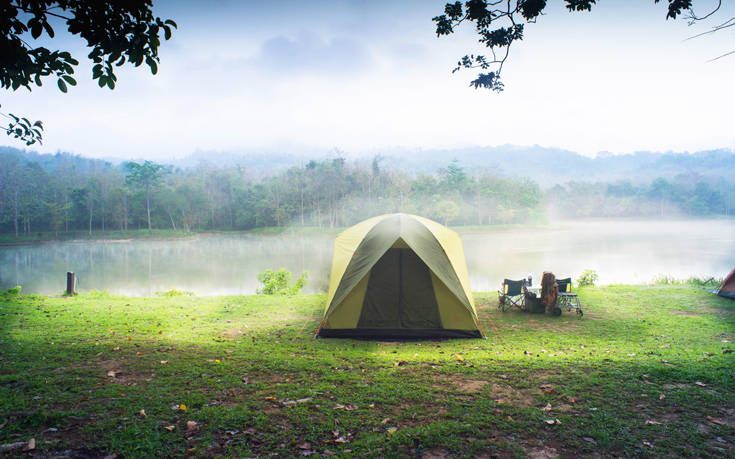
63 192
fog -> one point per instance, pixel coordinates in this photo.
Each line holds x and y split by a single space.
621 251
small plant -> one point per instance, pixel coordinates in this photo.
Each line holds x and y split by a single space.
277 282
12 291
174 292
587 278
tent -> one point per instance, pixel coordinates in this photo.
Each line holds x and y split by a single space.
399 276
727 288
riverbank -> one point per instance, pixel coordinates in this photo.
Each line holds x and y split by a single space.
648 371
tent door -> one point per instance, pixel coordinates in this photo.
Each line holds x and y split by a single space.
400 294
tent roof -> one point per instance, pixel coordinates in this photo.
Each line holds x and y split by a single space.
358 248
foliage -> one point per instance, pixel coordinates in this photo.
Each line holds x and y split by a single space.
278 282
634 369
499 24
63 194
703 282
117 32
13 291
587 278
174 292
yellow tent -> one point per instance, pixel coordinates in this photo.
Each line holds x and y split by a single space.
398 276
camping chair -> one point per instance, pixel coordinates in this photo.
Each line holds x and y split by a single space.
566 299
513 294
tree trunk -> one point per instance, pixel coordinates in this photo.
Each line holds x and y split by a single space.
15 220
148 206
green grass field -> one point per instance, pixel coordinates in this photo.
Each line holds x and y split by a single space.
648 372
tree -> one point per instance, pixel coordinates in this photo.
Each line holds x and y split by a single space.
118 31
500 23
146 176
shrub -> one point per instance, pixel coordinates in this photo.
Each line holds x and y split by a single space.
12 291
587 278
175 292
277 282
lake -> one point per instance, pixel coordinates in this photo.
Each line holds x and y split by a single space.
621 251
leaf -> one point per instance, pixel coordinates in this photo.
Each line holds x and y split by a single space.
111 374
661 397
385 421
700 384
164 362
716 421
170 428
304 445
191 426
69 80
459 358
31 445
61 84
547 407
142 414
652 423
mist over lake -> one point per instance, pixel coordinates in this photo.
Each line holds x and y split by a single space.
621 251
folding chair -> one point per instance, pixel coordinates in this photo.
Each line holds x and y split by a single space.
513 294
566 299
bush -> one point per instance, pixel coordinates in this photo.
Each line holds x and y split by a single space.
12 291
587 278
175 292
277 282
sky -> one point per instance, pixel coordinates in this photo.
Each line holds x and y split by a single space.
366 75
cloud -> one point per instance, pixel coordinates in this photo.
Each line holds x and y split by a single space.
309 53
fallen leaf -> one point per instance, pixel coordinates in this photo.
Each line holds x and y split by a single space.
31 445
270 397
652 423
191 425
170 428
130 338
228 352
326 452
571 399
589 440
700 384
715 421
341 440
647 443
547 389
385 421
249 431
550 422
661 397
164 362
459 358
372 405
111 374
547 407
142 413
350 407
304 445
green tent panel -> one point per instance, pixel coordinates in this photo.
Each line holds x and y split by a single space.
399 276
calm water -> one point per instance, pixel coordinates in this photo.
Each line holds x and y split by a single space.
620 251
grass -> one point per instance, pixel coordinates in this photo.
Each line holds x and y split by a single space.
647 372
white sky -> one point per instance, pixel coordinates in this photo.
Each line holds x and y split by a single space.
363 75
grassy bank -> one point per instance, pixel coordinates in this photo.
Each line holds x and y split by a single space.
38 237
10 239
648 371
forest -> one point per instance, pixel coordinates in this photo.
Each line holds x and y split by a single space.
64 192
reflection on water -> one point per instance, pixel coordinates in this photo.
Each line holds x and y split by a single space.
620 251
